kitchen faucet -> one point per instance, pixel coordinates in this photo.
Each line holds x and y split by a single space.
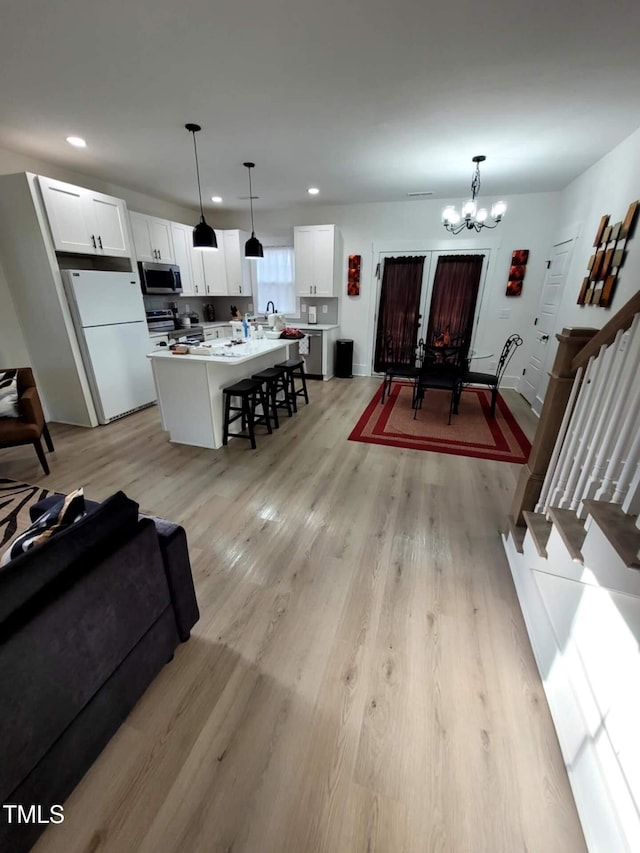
273 308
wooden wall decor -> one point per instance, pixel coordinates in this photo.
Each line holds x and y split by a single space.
604 265
517 270
353 278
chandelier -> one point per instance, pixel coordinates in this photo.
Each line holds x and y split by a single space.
471 217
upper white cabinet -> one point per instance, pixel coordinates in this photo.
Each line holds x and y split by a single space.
84 221
181 238
152 238
215 271
318 260
238 268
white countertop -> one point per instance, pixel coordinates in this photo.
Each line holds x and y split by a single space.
320 327
236 354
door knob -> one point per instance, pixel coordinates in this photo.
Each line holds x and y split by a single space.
544 337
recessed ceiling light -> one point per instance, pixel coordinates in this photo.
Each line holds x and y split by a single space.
216 198
76 141
313 190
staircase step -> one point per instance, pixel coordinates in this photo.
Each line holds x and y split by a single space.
571 530
619 528
539 528
517 533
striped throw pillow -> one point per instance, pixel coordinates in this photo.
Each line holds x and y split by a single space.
56 519
9 394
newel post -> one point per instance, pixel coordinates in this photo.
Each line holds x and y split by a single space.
570 342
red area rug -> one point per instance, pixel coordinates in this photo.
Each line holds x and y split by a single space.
473 432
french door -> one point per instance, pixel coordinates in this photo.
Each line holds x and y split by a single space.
399 316
426 290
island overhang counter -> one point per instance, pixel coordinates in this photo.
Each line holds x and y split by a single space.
189 387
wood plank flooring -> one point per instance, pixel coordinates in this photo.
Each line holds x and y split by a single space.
360 678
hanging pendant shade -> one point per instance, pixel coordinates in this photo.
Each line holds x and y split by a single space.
253 246
204 237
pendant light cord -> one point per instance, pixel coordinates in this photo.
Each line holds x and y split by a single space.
195 150
251 201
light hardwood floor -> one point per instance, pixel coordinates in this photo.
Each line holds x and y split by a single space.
360 678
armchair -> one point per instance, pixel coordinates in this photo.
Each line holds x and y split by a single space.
30 427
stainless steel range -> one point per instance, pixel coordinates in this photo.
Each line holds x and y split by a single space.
161 320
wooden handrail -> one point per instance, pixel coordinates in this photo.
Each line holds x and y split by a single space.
622 319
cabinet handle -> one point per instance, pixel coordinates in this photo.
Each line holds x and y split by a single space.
240 288
100 240
93 240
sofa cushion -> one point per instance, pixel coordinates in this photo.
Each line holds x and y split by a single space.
96 534
9 394
63 651
61 513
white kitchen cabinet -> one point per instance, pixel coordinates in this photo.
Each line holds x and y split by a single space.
152 238
239 269
212 333
215 273
318 260
83 221
182 239
158 340
197 271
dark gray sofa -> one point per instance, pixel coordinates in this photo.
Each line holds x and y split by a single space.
87 621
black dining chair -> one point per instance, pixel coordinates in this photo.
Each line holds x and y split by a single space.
493 380
442 370
401 362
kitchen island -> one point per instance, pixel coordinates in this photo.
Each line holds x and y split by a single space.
189 387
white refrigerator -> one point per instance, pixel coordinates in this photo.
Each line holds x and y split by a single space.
110 321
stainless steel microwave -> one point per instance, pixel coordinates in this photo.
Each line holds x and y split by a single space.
160 278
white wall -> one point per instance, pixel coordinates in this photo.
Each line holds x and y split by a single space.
13 349
412 226
609 186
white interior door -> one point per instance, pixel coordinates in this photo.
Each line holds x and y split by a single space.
535 379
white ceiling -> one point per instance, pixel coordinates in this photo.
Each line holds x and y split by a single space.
367 99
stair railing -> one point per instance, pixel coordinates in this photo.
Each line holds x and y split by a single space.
587 443
594 456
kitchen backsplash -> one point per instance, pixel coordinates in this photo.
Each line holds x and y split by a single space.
331 314
222 306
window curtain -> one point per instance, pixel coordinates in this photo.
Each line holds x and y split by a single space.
399 312
274 280
453 303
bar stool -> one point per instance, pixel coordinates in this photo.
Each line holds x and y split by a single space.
248 390
295 367
276 380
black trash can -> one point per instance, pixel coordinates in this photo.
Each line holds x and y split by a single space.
344 358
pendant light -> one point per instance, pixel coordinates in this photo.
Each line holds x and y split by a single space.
204 237
253 246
